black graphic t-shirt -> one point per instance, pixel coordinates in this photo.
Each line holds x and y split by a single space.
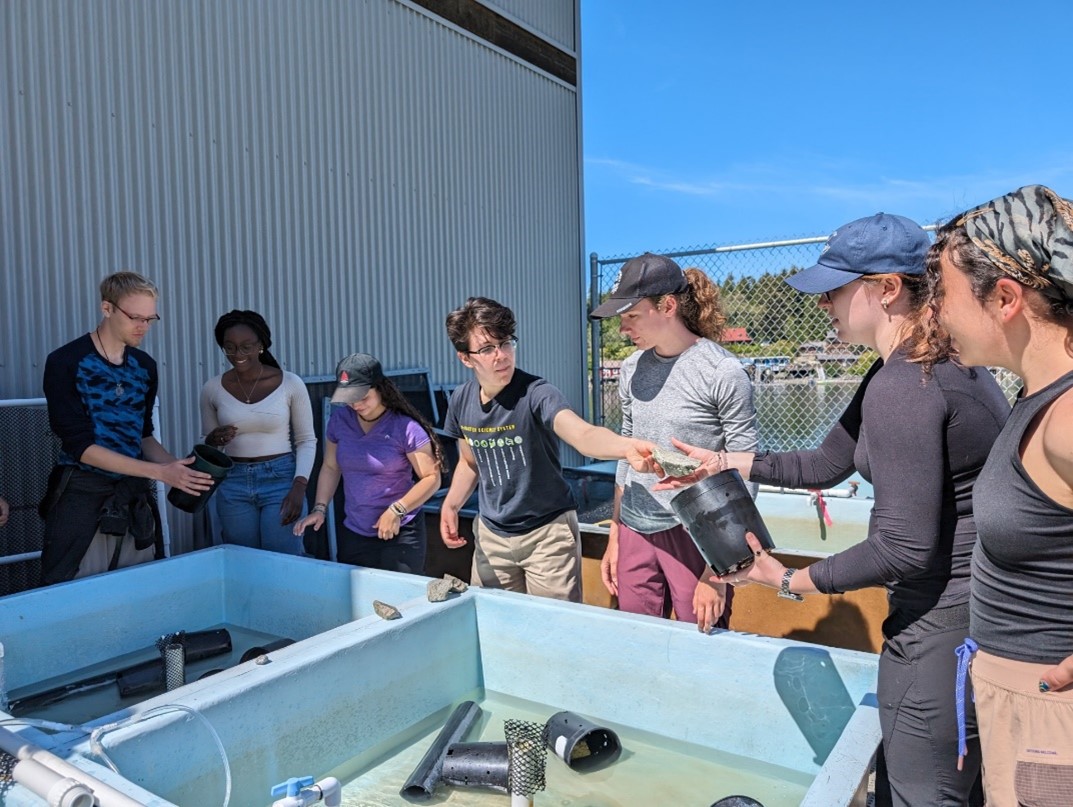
94 402
521 485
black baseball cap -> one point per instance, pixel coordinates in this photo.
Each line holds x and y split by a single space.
355 376
647 275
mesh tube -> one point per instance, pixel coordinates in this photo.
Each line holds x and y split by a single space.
526 749
174 665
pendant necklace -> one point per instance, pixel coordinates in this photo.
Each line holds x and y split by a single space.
108 360
253 389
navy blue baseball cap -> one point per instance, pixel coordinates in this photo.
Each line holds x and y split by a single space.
877 245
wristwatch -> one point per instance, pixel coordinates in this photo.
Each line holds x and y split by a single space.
784 587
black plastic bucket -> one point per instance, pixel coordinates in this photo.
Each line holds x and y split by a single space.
580 743
717 512
210 460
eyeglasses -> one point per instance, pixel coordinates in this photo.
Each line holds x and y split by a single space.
244 350
138 320
506 346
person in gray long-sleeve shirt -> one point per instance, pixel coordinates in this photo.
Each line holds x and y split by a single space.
919 429
680 382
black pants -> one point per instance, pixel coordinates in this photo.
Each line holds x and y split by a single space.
403 553
917 763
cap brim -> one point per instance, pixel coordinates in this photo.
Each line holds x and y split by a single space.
348 395
614 306
819 279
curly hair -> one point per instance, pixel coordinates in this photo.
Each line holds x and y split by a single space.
699 306
256 323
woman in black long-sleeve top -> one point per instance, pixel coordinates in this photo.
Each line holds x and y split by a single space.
919 429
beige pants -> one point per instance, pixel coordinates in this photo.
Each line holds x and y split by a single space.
1026 736
99 555
545 562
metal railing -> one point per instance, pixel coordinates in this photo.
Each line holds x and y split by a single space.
803 377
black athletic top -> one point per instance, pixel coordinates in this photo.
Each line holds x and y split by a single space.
1022 570
921 441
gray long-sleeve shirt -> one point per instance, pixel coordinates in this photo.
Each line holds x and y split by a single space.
702 396
921 441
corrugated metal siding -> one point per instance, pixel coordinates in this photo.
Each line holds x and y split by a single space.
556 22
351 170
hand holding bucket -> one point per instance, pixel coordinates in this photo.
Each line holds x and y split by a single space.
207 460
717 512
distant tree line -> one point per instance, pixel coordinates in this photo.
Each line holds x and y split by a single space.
777 318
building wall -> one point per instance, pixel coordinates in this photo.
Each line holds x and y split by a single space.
351 170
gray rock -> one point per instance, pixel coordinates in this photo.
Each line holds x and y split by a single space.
456 584
674 463
438 590
385 611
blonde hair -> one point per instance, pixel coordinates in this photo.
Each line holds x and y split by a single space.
119 284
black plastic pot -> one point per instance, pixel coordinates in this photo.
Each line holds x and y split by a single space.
717 512
210 460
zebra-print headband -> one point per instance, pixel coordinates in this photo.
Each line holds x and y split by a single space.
1028 234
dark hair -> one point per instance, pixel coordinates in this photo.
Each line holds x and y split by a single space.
699 305
479 314
393 399
256 323
983 274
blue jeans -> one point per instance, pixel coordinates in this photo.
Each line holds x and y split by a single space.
248 503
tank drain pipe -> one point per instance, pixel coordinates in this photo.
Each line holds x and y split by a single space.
301 792
59 777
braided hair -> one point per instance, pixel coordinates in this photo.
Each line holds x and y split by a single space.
256 323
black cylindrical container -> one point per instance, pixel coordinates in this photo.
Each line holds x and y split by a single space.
580 743
717 512
210 460
477 765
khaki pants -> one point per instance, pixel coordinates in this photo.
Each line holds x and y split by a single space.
99 555
545 562
1026 736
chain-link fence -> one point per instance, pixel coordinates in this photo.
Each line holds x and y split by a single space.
803 376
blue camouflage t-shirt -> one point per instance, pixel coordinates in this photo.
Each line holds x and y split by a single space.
94 402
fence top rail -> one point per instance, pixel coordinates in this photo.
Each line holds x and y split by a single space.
690 253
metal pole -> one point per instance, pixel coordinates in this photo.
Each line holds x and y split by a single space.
595 345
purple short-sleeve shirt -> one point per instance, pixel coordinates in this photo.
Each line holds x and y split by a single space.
375 468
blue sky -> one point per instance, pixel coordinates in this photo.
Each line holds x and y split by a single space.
712 121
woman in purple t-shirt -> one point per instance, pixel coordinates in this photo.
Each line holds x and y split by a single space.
389 460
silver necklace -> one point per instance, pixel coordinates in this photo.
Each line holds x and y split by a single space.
108 361
253 389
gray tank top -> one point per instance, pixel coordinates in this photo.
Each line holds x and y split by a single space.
1021 602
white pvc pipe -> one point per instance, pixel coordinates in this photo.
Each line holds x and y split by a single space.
106 795
56 789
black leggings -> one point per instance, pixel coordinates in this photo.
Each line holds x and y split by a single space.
917 763
403 553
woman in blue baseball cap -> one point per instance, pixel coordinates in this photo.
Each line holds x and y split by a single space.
919 429
1002 277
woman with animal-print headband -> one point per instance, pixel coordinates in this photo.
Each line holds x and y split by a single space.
1002 284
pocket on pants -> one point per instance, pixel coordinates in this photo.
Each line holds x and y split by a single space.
1041 782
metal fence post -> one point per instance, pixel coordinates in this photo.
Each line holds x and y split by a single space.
595 342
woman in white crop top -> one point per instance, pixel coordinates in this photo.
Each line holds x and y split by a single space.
262 418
